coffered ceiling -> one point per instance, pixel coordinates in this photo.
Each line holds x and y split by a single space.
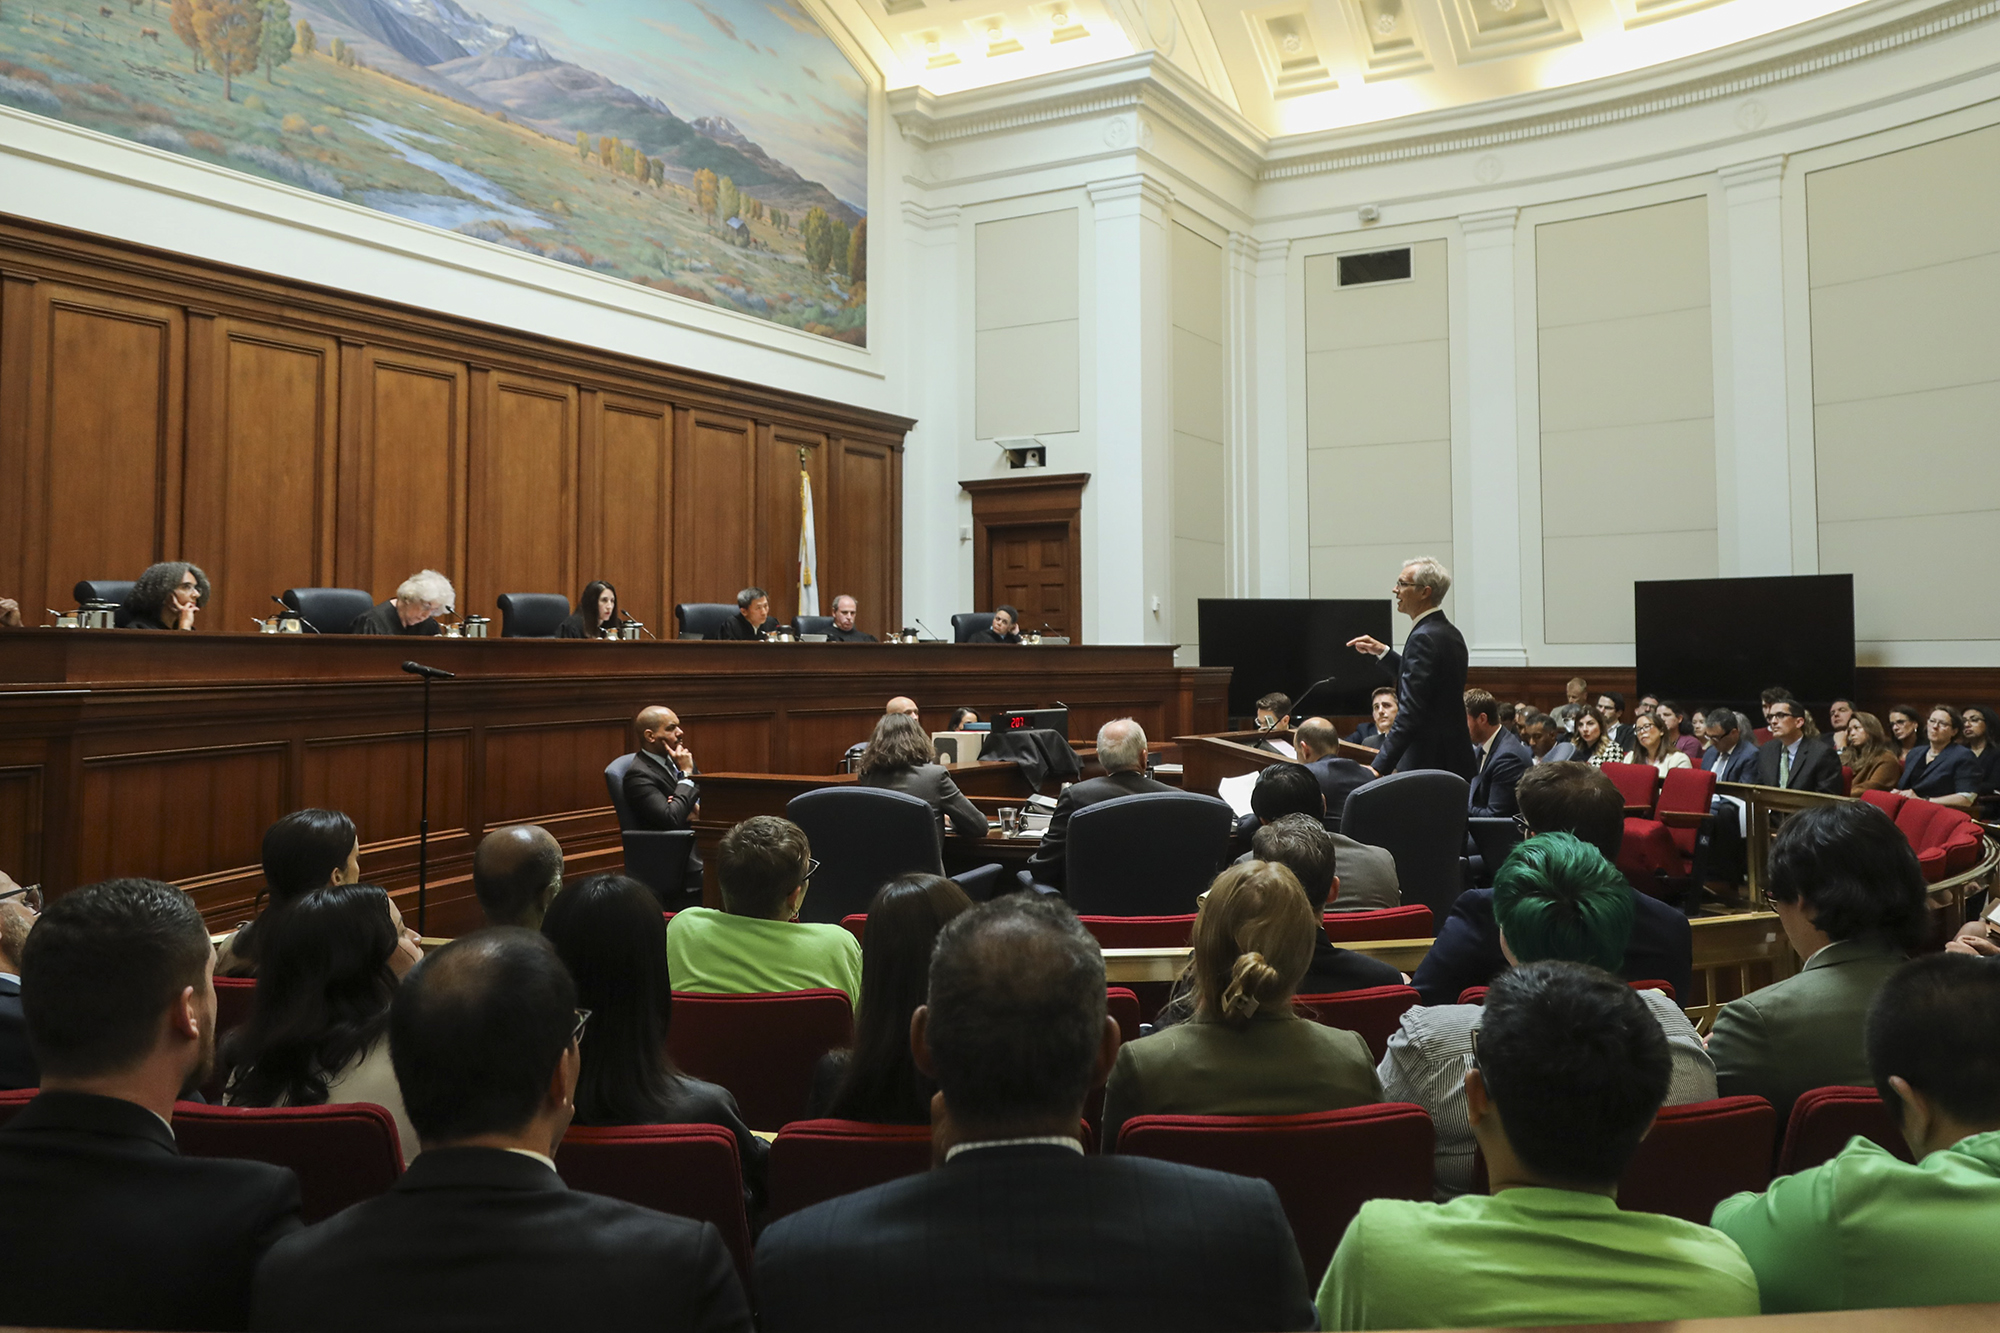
1299 66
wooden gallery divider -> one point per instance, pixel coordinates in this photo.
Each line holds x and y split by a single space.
154 407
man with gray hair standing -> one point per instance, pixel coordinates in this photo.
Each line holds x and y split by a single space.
1430 729
1121 749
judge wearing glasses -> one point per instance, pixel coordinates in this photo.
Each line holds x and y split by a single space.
1429 730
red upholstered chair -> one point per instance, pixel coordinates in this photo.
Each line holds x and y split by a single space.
1647 856
1122 1004
1823 1121
1477 994
1324 1165
816 1160
1846 779
688 1170
763 1048
1698 1155
13 1100
1762 734
1888 802
1412 922
235 998
1373 1012
1686 796
857 926
1639 784
1140 932
342 1154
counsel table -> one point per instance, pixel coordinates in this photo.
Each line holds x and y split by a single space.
169 754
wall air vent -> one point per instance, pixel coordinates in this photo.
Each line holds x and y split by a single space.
1375 266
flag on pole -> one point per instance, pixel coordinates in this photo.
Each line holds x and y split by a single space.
808 549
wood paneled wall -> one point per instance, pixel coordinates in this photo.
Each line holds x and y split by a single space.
281 435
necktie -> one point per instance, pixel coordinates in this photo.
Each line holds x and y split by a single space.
1784 768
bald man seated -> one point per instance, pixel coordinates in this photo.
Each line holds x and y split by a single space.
516 873
1319 750
899 704
660 788
902 705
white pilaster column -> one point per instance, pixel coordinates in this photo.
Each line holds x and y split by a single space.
1127 566
937 570
1271 443
1753 464
1489 571
1240 461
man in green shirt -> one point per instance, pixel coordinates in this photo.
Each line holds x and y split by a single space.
755 944
1867 1229
1569 1068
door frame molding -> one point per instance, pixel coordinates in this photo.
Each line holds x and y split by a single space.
1032 500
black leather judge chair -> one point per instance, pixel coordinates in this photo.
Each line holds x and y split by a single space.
701 620
1145 855
804 625
614 781
329 610
866 836
1419 817
102 590
531 615
968 623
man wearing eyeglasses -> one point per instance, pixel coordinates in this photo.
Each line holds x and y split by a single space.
19 909
1429 731
1793 759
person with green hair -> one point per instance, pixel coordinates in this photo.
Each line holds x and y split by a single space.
1555 897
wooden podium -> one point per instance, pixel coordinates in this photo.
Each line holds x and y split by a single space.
1207 760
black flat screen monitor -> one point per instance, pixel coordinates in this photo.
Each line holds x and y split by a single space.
1285 644
1727 640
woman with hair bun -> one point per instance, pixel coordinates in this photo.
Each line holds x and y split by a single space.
1246 1051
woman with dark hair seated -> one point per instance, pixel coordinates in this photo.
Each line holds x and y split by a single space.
1675 719
1866 751
1594 744
1246 1051
596 614
319 1035
1943 771
1845 885
1906 730
899 758
878 1081
166 596
609 933
303 851
960 716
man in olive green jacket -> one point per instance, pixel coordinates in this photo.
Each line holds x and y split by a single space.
1868 1230
1846 887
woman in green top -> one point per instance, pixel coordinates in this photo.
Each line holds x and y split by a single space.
1245 1051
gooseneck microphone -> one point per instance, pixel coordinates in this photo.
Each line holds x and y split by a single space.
296 615
928 630
434 673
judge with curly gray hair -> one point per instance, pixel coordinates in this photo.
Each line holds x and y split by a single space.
166 596
413 610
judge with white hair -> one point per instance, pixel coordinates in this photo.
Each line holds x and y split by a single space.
421 599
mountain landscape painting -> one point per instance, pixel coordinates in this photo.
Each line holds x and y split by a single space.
713 149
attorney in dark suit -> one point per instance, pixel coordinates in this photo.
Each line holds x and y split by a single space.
660 787
1121 748
17 918
1564 797
106 1225
1015 1227
845 609
1793 759
752 619
1502 758
481 1232
898 758
1429 731
1337 777
1382 717
1006 628
419 601
1728 753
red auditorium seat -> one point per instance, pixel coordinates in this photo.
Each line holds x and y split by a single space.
1477 994
1373 1012
1411 922
13 1100
1324 1165
1823 1120
1140 932
1123 1004
342 1154
1686 794
235 1001
816 1160
1888 802
1647 856
763 1048
688 1170
1637 783
857 926
1946 840
1698 1155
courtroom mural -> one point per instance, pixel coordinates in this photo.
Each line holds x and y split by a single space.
714 149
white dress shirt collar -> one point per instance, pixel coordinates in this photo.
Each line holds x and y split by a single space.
1046 1140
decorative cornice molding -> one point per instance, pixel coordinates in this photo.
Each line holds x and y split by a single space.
1141 190
943 217
1864 42
1761 176
1492 222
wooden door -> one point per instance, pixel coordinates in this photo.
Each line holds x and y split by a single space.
1031 573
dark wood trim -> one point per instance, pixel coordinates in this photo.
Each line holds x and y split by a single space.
1031 499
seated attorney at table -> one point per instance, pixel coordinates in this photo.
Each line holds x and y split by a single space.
166 596
845 608
1382 708
660 788
899 758
596 615
1121 749
1006 628
752 619
415 608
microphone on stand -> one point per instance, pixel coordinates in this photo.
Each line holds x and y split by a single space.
434 673
928 630
427 674
296 615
